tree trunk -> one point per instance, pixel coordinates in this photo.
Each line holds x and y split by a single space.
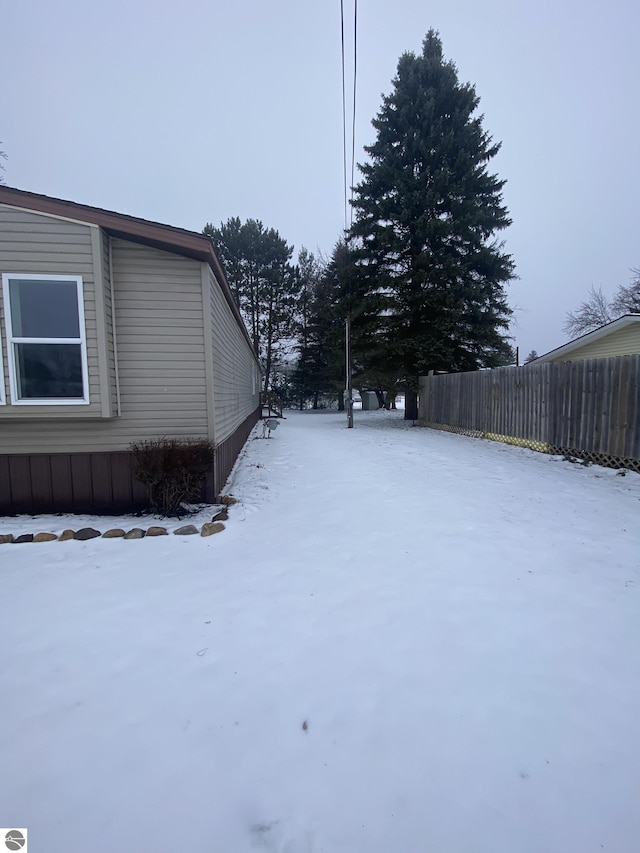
390 400
341 402
411 405
380 396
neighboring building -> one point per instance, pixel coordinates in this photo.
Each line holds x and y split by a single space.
112 330
369 401
621 337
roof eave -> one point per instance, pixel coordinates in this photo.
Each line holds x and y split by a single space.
588 338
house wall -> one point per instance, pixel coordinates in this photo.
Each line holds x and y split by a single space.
160 345
110 324
236 377
625 341
162 337
31 243
234 371
161 373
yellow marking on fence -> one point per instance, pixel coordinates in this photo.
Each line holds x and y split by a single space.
532 444
586 456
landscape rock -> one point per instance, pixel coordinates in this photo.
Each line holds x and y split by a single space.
114 533
223 515
67 534
211 527
45 537
157 531
26 537
134 533
228 500
87 533
187 530
5 538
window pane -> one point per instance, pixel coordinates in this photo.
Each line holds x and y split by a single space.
49 371
44 309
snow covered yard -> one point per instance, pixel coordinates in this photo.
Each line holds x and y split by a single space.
405 641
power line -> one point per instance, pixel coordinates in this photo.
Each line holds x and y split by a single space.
348 218
344 115
353 123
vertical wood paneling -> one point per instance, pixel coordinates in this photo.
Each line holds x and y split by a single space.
19 483
61 482
82 492
102 492
40 475
227 452
591 405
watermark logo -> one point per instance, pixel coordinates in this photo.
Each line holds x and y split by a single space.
13 839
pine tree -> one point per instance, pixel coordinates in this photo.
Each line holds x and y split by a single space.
257 262
320 368
310 271
427 213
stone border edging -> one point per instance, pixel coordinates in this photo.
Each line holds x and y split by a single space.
209 528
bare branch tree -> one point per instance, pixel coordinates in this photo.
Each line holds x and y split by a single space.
3 156
627 298
532 355
593 313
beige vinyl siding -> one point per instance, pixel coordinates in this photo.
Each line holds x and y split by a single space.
161 368
236 385
34 244
625 341
110 324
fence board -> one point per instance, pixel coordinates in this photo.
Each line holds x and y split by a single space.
634 418
590 406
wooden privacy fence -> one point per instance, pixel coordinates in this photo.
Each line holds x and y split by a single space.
589 409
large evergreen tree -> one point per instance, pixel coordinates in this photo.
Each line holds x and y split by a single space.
264 282
427 212
303 380
320 366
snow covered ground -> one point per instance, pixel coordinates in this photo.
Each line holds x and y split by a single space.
405 641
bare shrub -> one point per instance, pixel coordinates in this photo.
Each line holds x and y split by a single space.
173 471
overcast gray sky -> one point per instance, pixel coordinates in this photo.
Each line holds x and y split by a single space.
194 111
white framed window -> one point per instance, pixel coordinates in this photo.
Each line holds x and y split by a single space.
46 342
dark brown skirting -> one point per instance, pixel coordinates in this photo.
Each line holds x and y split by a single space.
95 482
227 453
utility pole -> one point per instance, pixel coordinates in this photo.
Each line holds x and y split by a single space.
349 394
